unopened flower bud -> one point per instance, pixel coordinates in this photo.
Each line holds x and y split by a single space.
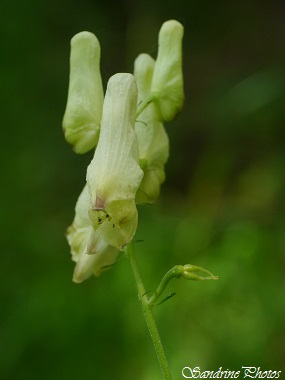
81 122
189 272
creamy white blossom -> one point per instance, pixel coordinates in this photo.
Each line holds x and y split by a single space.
167 83
152 139
106 214
81 122
114 174
132 149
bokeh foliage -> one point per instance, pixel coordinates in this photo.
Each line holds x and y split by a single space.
222 206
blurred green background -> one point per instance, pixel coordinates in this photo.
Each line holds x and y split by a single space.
222 206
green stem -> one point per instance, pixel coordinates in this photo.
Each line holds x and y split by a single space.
143 106
174 272
147 311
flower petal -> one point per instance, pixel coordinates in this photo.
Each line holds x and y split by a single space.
94 264
91 254
79 232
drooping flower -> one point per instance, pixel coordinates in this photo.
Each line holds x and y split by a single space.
81 122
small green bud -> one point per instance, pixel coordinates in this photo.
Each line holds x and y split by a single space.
167 83
189 272
81 122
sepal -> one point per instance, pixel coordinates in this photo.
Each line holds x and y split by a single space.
190 273
80 236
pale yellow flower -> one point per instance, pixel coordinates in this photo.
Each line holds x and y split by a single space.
167 83
81 122
114 174
106 215
152 139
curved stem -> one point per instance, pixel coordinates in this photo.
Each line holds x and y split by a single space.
174 272
147 311
143 106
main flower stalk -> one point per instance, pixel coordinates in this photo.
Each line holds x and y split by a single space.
147 311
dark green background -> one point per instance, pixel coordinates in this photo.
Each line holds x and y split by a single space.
222 205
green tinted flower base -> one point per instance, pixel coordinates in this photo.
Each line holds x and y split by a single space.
147 311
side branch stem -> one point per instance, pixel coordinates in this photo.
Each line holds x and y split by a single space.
147 311
143 106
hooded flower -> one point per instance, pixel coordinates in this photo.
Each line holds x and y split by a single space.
114 174
81 122
133 147
167 82
152 139
161 97
106 215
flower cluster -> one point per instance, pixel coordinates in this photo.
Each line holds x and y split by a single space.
131 146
